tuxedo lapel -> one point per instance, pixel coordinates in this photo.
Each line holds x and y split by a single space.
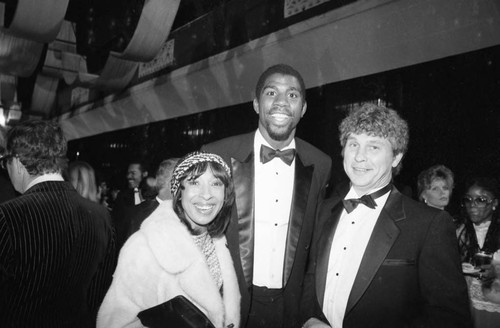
302 185
383 237
324 247
243 172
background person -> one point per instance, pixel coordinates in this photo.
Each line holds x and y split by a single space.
56 247
480 231
82 177
127 199
279 180
435 186
180 250
140 212
381 259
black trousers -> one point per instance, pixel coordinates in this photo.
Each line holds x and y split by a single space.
266 309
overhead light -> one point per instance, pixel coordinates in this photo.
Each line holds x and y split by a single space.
14 113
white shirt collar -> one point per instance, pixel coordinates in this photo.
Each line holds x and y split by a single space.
259 140
44 178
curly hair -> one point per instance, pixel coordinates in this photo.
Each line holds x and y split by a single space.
39 145
218 226
282 69
426 177
377 121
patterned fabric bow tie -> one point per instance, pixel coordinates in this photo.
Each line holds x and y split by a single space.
267 154
368 200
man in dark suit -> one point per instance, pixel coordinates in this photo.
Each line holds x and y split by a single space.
278 180
380 258
126 200
140 212
56 248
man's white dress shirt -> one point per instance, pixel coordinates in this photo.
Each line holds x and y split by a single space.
348 246
273 200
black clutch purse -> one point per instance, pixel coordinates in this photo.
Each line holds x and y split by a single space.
178 312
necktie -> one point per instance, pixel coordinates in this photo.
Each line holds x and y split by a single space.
267 154
137 196
368 200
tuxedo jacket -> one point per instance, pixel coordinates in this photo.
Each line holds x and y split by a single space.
312 172
124 203
409 276
56 258
139 213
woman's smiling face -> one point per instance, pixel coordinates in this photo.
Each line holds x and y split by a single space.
202 198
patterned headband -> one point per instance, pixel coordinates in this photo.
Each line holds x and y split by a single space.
189 161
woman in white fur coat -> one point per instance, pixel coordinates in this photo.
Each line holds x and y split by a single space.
180 249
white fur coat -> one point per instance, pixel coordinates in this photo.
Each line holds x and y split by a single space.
161 261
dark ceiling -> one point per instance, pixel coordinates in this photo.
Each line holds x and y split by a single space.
99 26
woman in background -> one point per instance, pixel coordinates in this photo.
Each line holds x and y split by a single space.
480 231
180 249
435 186
82 177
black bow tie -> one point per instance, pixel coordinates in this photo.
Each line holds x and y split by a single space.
267 154
368 200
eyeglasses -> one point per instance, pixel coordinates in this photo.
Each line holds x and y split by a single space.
478 201
4 159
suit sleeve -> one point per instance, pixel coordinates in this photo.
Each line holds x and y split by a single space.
5 254
102 279
443 286
310 306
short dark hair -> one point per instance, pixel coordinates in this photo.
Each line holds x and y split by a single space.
377 121
284 70
489 184
426 177
143 166
39 145
218 226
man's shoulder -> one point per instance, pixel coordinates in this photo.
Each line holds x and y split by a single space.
311 154
238 146
420 212
233 141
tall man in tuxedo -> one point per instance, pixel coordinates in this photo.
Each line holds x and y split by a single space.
276 198
380 258
56 247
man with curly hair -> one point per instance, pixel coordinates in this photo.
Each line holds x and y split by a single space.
381 259
56 247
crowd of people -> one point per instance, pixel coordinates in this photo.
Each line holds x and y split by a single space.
242 233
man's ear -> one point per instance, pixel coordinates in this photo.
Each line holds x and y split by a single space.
256 105
144 174
304 109
397 159
18 166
